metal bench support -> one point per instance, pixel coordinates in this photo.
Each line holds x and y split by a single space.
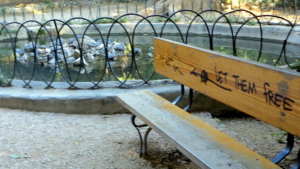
296 165
189 105
180 96
143 140
286 151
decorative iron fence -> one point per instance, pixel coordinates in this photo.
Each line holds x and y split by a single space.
44 10
106 49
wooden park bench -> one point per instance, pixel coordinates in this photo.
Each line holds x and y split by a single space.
265 92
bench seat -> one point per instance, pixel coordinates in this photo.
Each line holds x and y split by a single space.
201 143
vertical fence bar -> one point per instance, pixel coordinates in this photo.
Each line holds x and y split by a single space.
71 9
136 6
284 8
118 9
295 10
90 3
13 10
61 11
154 8
23 13
80 7
52 11
98 15
32 11
41 5
108 7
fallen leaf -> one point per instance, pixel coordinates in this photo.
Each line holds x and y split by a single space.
281 141
76 143
132 159
15 156
289 158
217 120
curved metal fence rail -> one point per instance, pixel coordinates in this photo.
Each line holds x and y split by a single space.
44 10
106 49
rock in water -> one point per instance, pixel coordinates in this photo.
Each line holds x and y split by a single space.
70 41
76 53
70 60
19 52
119 46
137 51
89 57
111 55
78 62
151 49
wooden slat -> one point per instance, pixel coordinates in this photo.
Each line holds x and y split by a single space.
204 145
265 92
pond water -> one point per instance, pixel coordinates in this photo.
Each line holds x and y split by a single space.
120 68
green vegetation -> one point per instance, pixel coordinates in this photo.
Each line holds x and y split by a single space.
4 10
217 120
12 30
41 32
232 20
159 19
103 21
123 20
6 31
100 21
236 20
44 22
70 23
49 3
295 66
279 137
251 22
2 79
175 19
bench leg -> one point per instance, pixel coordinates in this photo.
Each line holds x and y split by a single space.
143 141
191 96
296 165
288 148
190 101
180 96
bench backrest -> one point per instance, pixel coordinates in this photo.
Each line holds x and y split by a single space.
262 91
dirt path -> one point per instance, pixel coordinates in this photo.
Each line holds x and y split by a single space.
54 140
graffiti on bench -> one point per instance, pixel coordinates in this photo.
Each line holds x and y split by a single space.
269 92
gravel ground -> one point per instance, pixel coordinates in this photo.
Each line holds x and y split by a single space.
55 140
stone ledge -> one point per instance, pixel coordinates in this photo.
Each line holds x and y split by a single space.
97 101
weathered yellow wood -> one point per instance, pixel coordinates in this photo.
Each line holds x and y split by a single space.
262 91
203 144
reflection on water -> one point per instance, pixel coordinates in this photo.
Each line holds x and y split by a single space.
122 65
